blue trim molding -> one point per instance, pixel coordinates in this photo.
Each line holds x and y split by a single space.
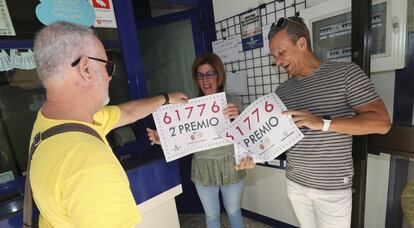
16 44
152 179
128 37
207 23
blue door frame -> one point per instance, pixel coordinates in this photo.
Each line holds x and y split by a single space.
129 41
188 201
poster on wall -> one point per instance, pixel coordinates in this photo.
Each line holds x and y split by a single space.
227 49
237 83
266 30
192 127
251 30
6 25
105 15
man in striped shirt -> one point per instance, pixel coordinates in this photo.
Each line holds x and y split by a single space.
329 102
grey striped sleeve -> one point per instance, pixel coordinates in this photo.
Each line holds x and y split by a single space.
359 89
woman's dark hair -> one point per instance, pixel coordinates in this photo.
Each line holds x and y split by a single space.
215 62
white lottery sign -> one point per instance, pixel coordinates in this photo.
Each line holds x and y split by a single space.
193 127
261 131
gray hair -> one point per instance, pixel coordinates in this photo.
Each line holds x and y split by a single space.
295 28
58 45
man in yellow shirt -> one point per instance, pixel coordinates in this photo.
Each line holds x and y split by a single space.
76 179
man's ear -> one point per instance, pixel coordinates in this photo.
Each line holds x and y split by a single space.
302 43
84 68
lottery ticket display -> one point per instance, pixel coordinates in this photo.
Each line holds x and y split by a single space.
261 131
192 127
6 25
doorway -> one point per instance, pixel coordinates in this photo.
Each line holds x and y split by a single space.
169 44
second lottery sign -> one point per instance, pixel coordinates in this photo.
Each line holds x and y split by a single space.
262 131
189 128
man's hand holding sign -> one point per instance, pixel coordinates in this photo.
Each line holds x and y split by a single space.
262 131
205 123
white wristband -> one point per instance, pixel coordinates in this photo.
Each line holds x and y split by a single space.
326 124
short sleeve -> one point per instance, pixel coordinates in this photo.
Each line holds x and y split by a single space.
359 88
107 118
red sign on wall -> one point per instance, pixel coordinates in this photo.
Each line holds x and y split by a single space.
101 4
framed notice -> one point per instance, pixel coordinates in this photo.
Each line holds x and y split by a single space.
6 25
227 49
266 30
105 15
237 83
251 30
261 131
193 127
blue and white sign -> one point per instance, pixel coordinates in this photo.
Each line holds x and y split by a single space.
75 11
251 30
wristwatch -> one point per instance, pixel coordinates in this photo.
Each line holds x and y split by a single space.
326 122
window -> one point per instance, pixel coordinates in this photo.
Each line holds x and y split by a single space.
22 94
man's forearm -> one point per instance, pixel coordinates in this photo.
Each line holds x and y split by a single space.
363 124
138 109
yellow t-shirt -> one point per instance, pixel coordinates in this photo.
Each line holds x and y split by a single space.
76 179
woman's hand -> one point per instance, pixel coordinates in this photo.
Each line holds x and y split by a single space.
153 136
245 163
231 111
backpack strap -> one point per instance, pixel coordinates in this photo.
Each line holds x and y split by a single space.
37 139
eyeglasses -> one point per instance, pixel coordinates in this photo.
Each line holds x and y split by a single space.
208 75
109 66
283 21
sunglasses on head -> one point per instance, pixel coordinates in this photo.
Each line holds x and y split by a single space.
283 21
109 66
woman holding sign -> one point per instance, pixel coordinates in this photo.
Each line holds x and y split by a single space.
214 170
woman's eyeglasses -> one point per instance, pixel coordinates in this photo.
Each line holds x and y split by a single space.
208 75
109 66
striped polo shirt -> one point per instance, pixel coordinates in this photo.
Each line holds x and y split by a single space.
323 160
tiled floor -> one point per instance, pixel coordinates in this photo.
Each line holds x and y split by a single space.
197 221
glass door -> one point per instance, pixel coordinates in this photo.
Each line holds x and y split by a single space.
169 45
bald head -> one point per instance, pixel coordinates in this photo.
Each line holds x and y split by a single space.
57 46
